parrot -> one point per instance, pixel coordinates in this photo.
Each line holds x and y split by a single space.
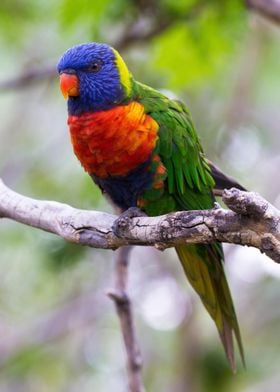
142 150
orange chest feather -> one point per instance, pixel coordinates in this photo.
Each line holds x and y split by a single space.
115 141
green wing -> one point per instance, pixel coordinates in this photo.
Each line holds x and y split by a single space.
189 178
188 186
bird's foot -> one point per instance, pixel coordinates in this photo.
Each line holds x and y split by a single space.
122 222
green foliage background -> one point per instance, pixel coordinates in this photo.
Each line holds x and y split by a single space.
58 330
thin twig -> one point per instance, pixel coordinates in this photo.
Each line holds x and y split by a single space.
124 310
270 9
27 78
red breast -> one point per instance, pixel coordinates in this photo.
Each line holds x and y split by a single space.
115 141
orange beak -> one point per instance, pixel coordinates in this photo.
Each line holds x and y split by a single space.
69 85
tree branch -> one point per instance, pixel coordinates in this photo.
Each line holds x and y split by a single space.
270 9
124 311
250 221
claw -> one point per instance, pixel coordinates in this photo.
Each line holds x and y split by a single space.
122 222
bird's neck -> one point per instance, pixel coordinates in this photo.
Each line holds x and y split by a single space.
79 105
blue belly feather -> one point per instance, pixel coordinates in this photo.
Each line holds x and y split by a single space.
125 190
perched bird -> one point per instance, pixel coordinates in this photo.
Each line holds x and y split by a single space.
142 150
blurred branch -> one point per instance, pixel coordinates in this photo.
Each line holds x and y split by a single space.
124 311
150 23
267 8
250 221
71 316
27 78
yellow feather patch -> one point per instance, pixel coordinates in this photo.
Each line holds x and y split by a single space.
125 76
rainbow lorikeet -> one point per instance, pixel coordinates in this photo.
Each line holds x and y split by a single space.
142 150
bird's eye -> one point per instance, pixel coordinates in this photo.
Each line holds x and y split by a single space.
94 67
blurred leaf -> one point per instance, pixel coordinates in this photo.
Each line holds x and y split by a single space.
63 254
188 54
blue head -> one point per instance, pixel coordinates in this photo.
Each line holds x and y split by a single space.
94 77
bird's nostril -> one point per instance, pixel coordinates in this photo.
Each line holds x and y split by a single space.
69 71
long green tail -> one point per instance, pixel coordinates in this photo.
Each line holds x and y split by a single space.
203 265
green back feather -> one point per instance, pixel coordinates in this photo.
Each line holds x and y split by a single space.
189 186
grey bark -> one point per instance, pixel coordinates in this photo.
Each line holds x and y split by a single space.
251 221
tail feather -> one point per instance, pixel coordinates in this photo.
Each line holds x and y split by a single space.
204 269
227 340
